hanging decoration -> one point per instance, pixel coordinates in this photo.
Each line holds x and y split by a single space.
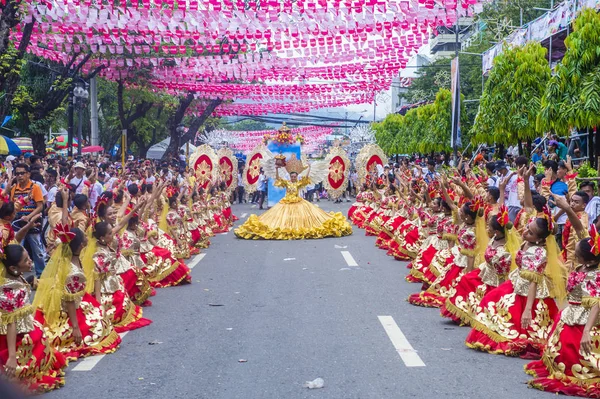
269 57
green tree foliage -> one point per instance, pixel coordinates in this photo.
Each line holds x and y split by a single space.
572 97
511 100
247 125
423 129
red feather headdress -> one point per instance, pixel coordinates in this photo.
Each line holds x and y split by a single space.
594 240
63 233
502 216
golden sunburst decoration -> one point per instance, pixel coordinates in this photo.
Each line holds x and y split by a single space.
205 164
252 168
363 158
203 171
339 171
227 168
336 171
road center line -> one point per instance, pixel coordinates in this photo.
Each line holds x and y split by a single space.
244 215
196 260
349 259
408 354
89 363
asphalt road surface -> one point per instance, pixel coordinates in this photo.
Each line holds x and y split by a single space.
263 317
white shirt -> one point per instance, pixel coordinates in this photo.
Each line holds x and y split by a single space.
95 192
511 194
150 180
52 194
79 183
593 209
109 184
493 181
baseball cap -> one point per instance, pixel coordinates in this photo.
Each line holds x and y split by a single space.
500 165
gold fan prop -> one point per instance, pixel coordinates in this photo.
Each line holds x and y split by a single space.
339 172
228 168
205 163
252 169
367 160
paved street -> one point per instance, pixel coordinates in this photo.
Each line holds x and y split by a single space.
263 317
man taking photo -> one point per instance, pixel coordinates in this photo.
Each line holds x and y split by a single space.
30 196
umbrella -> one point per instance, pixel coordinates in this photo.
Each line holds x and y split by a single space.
24 143
62 142
92 148
8 147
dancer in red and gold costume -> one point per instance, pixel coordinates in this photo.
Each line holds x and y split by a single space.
26 353
124 314
76 322
462 256
516 318
499 255
569 363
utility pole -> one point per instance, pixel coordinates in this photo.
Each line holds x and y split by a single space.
94 139
457 96
70 123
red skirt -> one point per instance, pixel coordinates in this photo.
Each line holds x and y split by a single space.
432 297
369 229
422 261
99 336
137 286
361 215
228 214
125 314
173 272
458 307
351 212
511 338
407 246
221 225
43 367
563 348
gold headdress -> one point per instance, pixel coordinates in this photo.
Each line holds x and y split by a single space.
294 165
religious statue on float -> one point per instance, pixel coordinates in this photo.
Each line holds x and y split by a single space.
290 217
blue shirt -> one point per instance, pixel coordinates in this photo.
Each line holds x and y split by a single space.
559 188
535 158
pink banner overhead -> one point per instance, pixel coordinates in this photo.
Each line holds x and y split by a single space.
285 55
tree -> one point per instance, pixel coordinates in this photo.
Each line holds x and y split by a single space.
572 96
511 100
423 129
194 122
40 98
247 125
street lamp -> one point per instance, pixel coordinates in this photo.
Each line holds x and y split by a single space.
80 96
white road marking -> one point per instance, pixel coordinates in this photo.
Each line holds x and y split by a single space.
244 215
349 259
224 234
253 206
289 259
340 246
403 347
89 363
196 260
